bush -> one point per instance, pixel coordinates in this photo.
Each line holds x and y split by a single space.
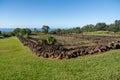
6 34
26 36
22 31
12 33
51 40
43 41
1 37
0 32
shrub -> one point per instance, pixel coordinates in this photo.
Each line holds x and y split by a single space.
26 36
22 31
12 33
0 32
51 40
1 37
43 41
6 34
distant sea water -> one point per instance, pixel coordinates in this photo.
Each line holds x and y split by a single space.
11 29
6 29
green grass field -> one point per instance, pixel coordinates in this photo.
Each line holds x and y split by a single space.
100 33
17 62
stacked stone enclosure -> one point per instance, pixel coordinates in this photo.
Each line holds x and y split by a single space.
58 51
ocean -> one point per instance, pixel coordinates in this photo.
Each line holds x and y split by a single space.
11 29
6 29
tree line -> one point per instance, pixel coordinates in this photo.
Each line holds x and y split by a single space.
101 26
18 31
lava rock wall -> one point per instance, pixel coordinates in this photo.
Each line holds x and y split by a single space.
59 52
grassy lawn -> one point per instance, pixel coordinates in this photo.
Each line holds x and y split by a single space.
100 33
17 62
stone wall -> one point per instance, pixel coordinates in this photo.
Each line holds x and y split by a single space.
59 52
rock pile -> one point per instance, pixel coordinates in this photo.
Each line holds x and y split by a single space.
59 52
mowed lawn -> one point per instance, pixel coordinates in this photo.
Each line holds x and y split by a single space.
17 62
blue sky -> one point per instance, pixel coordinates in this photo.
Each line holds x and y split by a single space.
57 13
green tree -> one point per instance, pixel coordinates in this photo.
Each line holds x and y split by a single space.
45 28
101 26
23 31
58 31
6 34
17 31
28 31
111 27
88 28
0 32
75 30
35 30
117 25
114 27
